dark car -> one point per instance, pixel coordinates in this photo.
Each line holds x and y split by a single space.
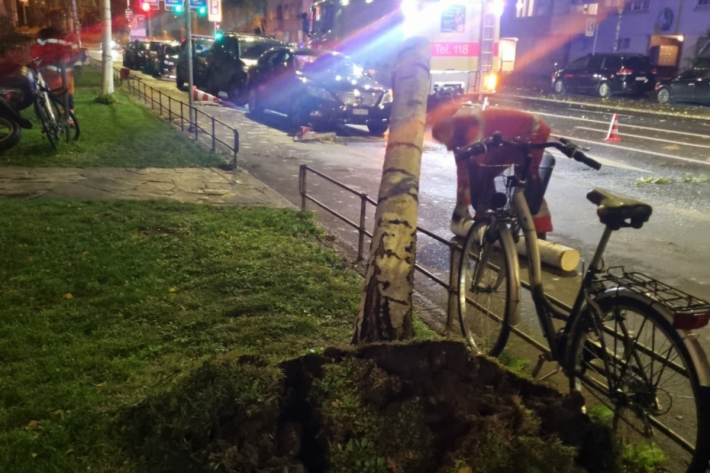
165 59
692 86
134 54
318 87
607 74
201 46
224 67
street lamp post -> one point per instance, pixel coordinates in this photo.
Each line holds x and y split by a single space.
188 45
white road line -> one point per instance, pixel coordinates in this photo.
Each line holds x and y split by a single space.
640 151
645 137
606 162
661 130
572 109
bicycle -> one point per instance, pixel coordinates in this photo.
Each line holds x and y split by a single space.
600 344
55 117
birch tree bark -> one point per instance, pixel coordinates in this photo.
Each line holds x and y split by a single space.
385 312
106 56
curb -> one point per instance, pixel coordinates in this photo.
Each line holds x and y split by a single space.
594 105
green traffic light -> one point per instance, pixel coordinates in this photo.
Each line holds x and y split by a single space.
178 9
202 10
218 34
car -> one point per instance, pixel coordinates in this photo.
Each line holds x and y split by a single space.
224 67
691 86
607 74
164 60
319 88
201 46
134 53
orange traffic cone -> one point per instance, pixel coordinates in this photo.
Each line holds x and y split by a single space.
613 134
200 96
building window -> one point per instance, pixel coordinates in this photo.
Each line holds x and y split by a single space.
584 8
524 8
279 13
624 43
638 5
704 3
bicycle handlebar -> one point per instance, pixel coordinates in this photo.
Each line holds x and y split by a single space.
564 145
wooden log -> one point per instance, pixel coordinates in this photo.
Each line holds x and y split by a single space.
553 254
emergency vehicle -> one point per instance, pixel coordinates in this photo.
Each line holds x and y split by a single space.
464 37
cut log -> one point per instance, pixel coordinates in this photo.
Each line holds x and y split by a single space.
553 254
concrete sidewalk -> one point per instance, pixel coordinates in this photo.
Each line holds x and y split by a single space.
195 185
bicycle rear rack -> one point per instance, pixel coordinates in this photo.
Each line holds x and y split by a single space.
675 300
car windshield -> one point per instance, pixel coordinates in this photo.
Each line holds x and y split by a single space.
172 50
331 63
254 49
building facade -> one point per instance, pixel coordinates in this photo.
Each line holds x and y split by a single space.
284 19
551 33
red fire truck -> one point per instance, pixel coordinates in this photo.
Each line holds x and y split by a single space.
464 37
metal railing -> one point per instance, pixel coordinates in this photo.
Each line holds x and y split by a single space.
165 106
454 246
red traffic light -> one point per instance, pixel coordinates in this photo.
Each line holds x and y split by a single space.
145 7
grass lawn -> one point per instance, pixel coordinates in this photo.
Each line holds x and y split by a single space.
125 134
107 305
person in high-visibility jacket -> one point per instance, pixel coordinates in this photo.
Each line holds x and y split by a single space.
468 126
57 48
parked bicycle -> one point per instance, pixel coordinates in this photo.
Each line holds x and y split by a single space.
629 338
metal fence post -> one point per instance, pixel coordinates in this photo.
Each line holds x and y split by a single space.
302 185
361 230
452 303
236 146
160 99
214 139
182 116
170 108
194 111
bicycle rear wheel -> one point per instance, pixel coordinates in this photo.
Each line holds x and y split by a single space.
50 128
488 288
73 131
636 363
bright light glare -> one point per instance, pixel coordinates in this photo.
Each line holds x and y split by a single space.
409 8
497 7
490 82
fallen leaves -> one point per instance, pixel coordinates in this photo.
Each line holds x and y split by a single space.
687 179
172 290
68 296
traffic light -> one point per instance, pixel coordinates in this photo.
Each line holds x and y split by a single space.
202 10
178 9
218 34
145 7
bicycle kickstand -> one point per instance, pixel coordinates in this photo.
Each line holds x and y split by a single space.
538 367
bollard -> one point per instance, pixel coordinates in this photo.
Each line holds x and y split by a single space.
236 146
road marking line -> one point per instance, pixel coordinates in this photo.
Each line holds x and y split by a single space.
647 112
498 99
635 150
697 135
646 137
608 162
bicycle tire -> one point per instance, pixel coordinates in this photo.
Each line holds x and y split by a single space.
50 130
638 406
59 107
496 292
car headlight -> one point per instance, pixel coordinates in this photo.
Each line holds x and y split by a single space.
169 63
387 97
319 93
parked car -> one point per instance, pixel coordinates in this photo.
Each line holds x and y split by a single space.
692 86
224 67
165 59
607 74
318 87
135 52
201 45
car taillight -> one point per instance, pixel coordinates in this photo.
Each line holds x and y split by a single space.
490 82
691 321
625 71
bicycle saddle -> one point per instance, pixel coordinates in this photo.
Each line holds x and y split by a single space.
618 212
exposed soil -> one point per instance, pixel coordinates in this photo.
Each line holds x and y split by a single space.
422 407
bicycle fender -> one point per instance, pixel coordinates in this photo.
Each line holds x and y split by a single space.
689 338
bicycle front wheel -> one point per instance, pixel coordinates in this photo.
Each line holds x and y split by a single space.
489 287
72 129
636 363
50 128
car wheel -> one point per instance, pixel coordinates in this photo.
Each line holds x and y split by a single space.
604 90
664 96
378 128
299 117
560 87
255 107
179 81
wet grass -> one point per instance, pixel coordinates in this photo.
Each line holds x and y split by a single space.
106 303
122 134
